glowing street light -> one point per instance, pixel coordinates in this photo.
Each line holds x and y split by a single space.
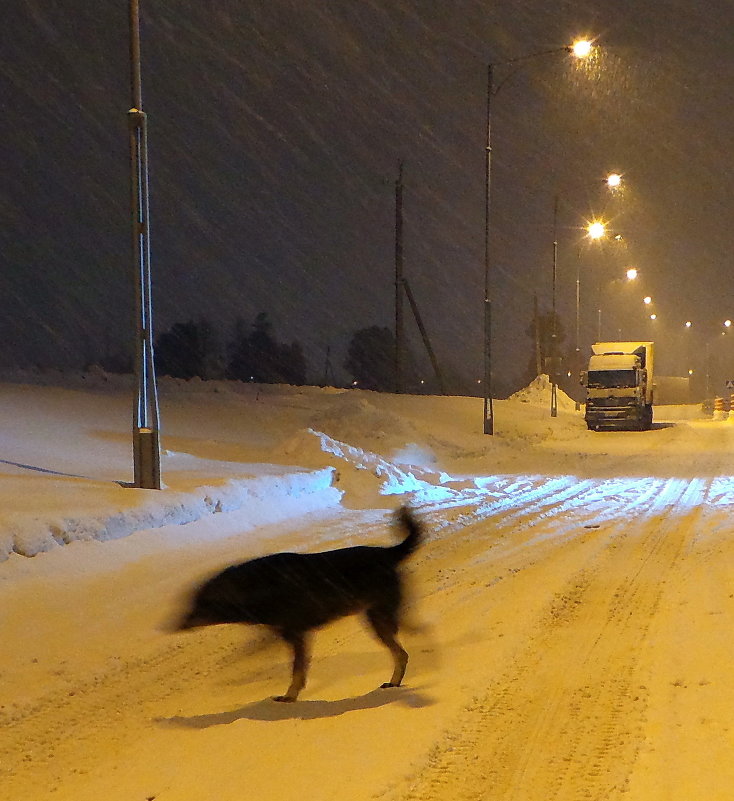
631 273
614 180
647 300
596 229
688 323
580 49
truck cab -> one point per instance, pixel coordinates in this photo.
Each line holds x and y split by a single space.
619 387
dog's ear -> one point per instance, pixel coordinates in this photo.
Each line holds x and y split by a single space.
404 514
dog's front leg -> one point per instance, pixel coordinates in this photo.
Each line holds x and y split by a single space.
385 627
300 646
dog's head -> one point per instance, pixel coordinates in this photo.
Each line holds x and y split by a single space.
216 601
203 608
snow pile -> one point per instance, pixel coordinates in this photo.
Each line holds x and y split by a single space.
538 392
119 511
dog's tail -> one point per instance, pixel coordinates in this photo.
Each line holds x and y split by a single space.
414 531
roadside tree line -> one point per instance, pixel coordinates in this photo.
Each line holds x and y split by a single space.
195 348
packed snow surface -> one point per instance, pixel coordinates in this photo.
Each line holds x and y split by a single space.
569 617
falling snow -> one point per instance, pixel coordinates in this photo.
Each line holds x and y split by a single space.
276 129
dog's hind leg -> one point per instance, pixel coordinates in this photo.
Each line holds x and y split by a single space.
300 647
385 627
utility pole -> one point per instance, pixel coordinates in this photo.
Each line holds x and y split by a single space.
146 423
487 377
424 336
554 331
399 319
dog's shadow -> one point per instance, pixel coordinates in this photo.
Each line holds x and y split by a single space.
268 709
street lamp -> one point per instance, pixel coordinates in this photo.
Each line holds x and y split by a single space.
595 230
581 48
146 441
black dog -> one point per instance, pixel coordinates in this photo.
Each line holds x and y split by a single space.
293 593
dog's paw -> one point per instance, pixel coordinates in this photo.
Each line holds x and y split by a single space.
284 699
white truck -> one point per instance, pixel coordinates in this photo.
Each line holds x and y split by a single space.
619 386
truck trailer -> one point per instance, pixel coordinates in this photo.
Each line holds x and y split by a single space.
619 386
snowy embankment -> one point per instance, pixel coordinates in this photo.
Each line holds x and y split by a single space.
109 514
276 451
67 463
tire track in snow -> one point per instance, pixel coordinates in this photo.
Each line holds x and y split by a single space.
565 719
530 500
544 519
55 736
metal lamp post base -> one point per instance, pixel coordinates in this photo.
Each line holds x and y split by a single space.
147 459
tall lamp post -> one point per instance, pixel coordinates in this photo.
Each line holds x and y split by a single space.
146 437
579 49
594 230
554 331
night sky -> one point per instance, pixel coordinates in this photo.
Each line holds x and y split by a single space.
276 128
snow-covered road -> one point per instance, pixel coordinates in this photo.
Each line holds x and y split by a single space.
569 638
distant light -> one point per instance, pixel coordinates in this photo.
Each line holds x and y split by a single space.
688 323
653 316
690 372
647 300
582 48
727 323
596 229
614 180
631 273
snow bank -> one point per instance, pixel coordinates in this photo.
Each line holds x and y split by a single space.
267 498
538 392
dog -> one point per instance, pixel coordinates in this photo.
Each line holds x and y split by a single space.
295 593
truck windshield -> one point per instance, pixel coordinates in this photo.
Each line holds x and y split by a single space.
611 379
